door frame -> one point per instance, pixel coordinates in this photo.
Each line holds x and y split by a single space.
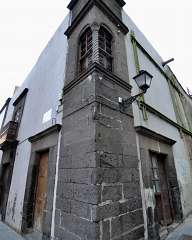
10 151
38 159
44 141
164 158
150 141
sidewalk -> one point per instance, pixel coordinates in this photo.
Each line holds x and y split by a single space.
7 233
183 232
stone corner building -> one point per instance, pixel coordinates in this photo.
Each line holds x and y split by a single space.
98 161
74 165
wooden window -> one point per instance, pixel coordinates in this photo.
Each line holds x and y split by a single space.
86 45
105 49
19 107
3 113
156 176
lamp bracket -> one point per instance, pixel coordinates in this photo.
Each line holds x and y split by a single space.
127 102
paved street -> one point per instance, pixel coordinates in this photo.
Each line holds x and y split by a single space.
183 232
7 234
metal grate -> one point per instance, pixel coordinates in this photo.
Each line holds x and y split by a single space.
105 49
86 42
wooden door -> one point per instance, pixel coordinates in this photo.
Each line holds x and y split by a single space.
163 206
164 192
5 189
41 191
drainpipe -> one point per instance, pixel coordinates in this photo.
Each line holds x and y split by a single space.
142 187
55 188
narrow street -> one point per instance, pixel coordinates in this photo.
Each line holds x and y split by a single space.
7 233
183 232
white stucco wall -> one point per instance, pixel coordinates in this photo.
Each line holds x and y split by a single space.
45 83
159 97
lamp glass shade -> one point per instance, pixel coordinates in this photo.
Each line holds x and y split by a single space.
148 80
143 80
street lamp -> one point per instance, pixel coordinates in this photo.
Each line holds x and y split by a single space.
143 80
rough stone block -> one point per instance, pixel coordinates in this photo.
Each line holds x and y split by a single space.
126 223
65 190
109 160
129 161
131 204
62 234
84 160
106 211
113 193
81 209
81 227
105 230
114 175
134 235
108 175
65 175
63 204
131 190
85 146
87 193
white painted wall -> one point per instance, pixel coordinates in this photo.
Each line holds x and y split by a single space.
45 83
158 96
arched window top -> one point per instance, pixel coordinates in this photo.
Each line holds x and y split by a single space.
105 48
86 45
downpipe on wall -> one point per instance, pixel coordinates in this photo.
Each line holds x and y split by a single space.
142 186
55 189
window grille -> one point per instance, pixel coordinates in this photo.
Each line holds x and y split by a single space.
156 176
105 49
86 45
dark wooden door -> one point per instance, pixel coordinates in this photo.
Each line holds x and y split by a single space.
166 206
41 191
5 189
160 183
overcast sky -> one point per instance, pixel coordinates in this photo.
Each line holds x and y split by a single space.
27 26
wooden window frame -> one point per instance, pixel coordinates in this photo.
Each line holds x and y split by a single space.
19 105
88 50
4 111
103 53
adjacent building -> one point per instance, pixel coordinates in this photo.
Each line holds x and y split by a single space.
77 165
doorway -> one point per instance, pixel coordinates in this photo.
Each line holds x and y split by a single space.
5 187
161 189
41 191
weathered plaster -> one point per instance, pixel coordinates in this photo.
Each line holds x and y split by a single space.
45 83
159 97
